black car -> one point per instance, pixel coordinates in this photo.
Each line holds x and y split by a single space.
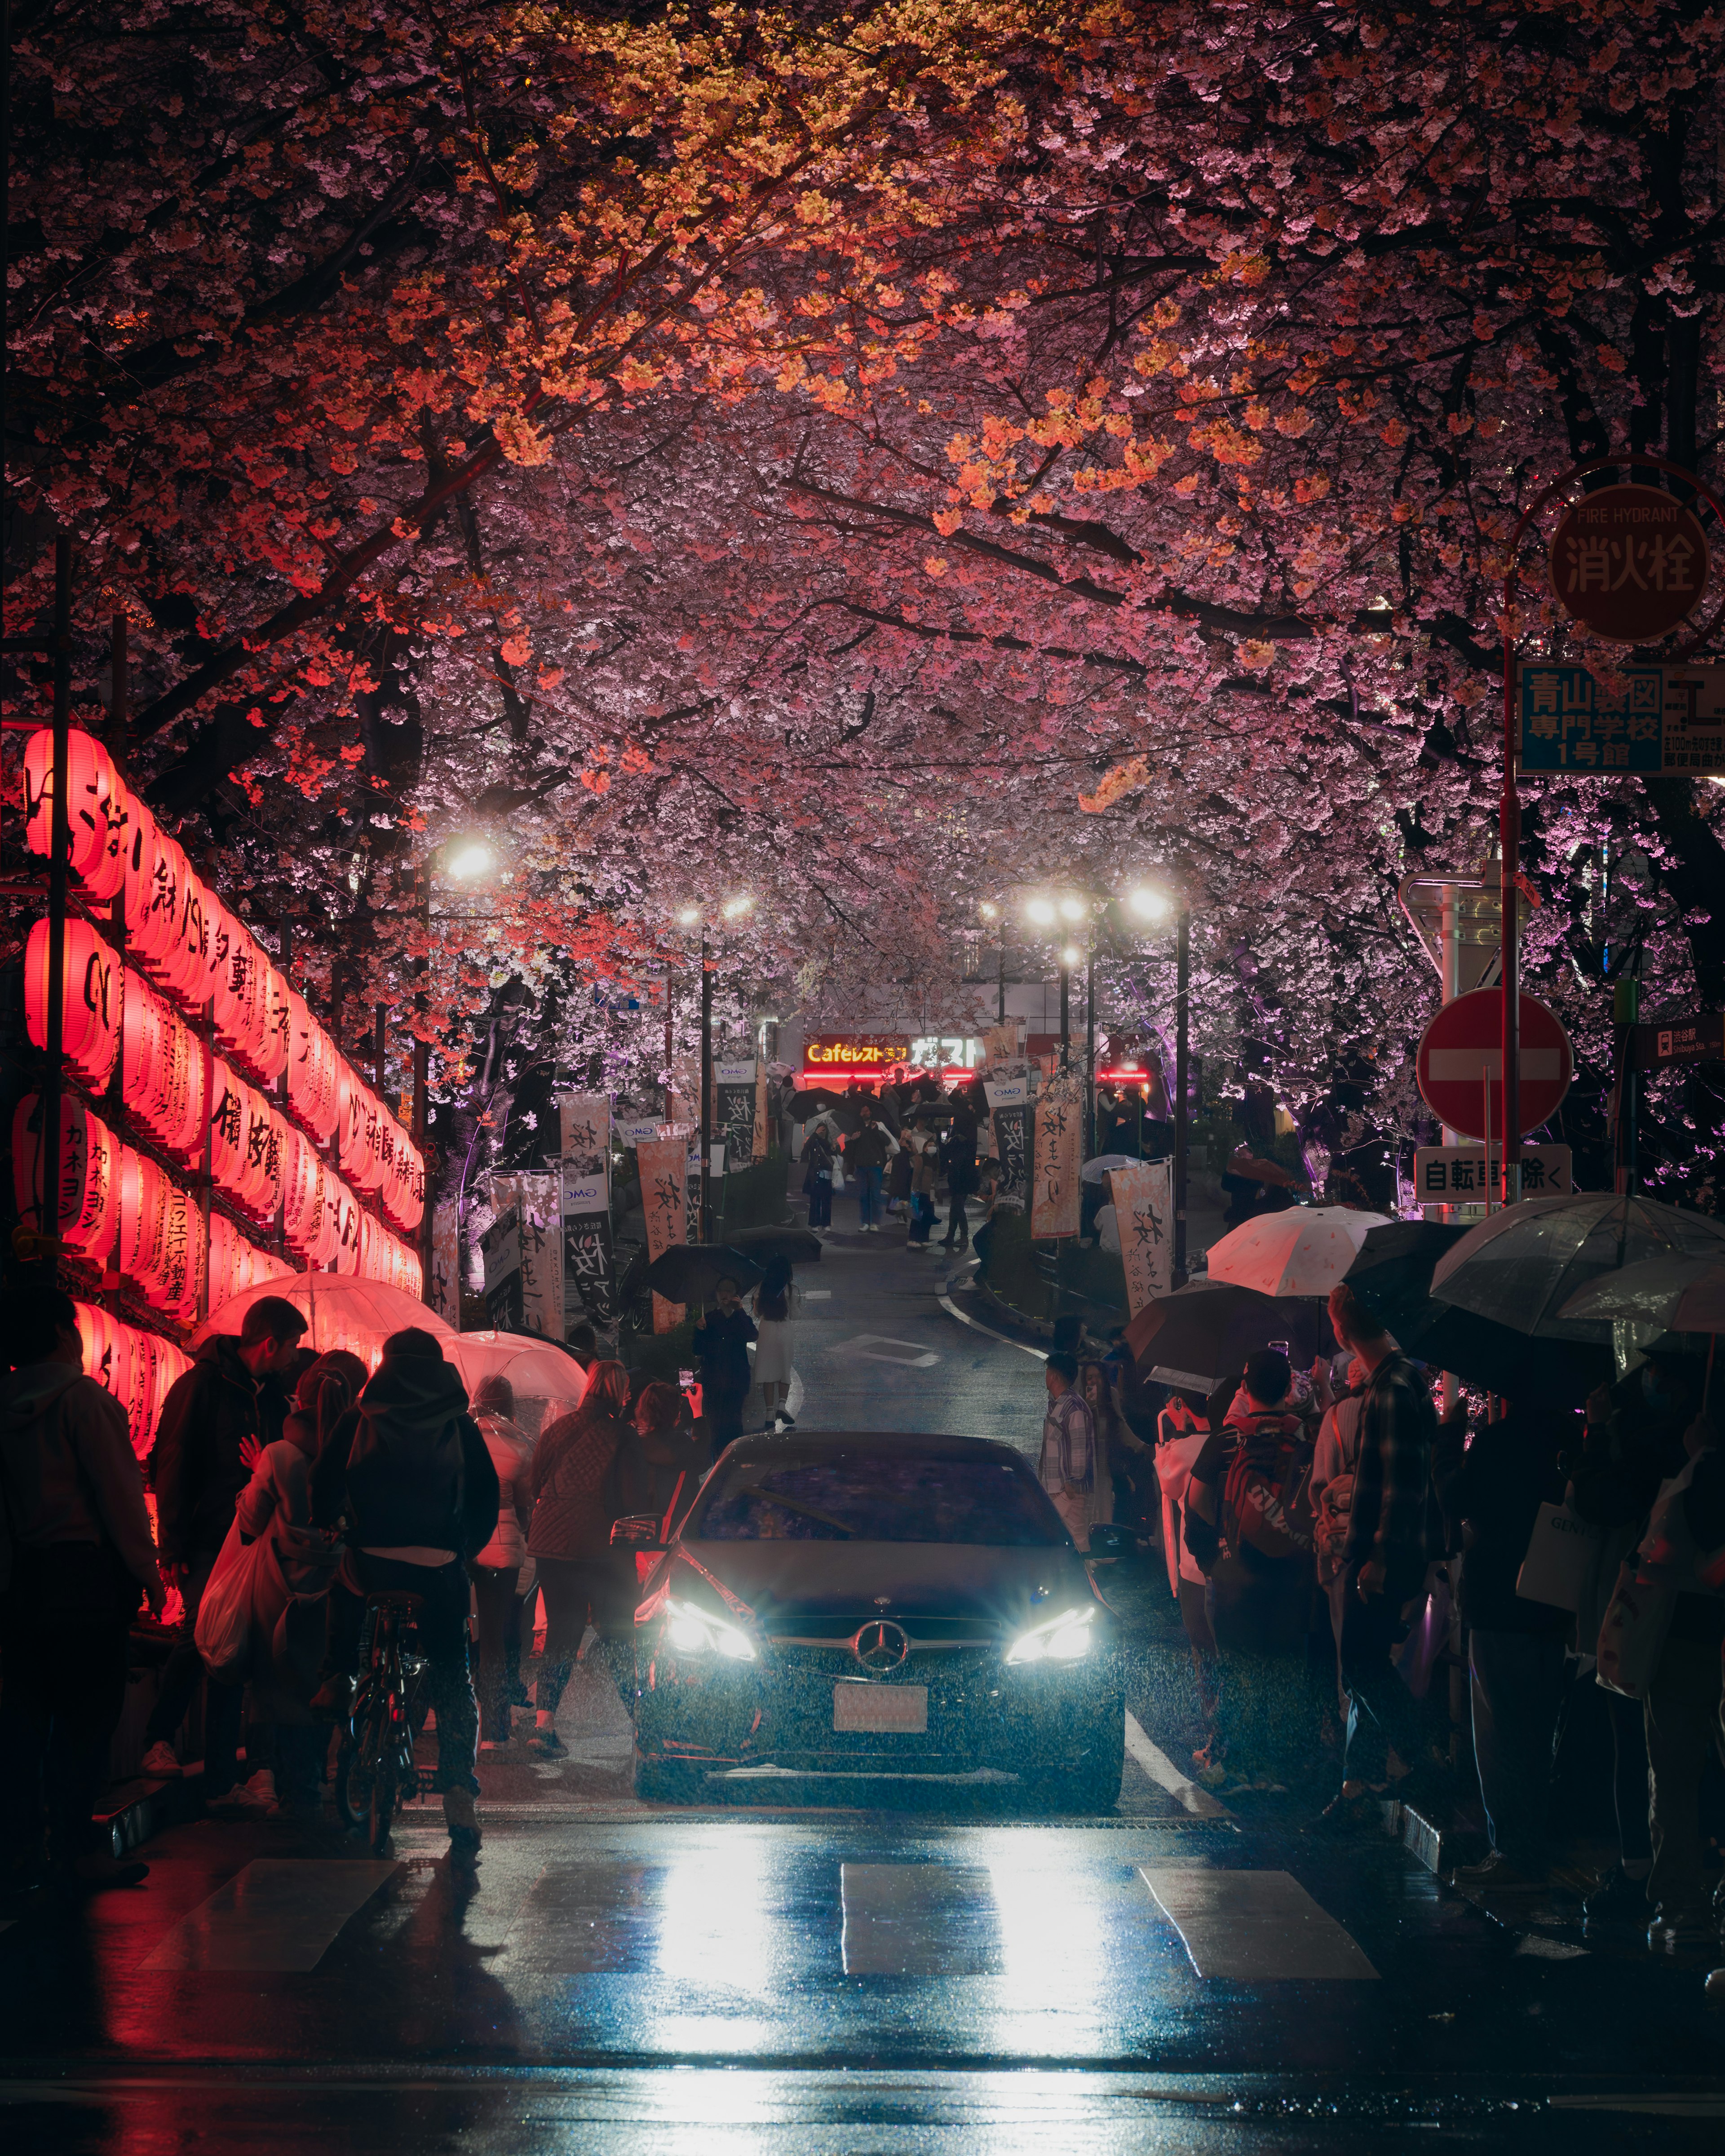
863 1604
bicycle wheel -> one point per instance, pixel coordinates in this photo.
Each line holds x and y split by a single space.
386 1782
355 1771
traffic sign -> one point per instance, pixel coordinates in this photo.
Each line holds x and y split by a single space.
1668 719
1629 561
1462 1048
1680 1040
1461 1175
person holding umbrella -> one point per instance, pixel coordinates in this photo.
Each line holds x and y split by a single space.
818 1176
721 1340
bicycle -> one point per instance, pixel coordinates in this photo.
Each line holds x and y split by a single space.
375 1771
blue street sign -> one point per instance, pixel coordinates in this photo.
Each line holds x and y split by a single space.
1666 719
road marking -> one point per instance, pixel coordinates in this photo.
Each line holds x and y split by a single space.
815 1294
919 1359
919 1920
944 1299
1161 1770
1254 1926
279 1913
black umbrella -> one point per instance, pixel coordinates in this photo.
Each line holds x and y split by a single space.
690 1272
1199 1335
816 1101
1497 1359
1392 1272
799 1244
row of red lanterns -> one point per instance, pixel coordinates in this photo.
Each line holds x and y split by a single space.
197 952
107 1010
137 1367
107 1189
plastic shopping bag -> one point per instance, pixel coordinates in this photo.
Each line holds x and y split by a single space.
225 1616
1560 1556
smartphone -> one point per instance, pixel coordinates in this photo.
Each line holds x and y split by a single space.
684 1379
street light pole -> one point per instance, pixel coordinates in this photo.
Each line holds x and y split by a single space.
1183 981
1090 1054
1066 1012
706 1089
1001 1017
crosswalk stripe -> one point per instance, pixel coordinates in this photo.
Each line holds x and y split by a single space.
1254 1926
919 1920
280 1913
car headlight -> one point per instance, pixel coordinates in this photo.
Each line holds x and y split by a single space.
1066 1638
692 1631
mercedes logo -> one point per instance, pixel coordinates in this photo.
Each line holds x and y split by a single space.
880 1647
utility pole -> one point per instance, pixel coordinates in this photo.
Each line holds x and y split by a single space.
1090 1055
707 1089
1182 982
1066 1012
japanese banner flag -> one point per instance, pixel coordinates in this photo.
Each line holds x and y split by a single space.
1143 1213
665 1199
1059 1145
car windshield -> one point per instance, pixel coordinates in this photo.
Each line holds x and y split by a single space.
878 1497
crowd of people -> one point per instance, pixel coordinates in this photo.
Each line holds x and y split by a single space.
1339 1506
911 1143
328 1486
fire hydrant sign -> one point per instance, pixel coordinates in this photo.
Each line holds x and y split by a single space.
1666 719
1629 561
1461 1053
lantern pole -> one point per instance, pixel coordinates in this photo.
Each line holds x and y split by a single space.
1182 982
285 931
59 845
421 1075
706 1089
119 717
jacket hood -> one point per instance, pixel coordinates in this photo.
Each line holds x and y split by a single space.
33 1389
410 1407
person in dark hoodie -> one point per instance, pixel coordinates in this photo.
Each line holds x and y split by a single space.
215 1421
1490 1492
76 1555
408 1469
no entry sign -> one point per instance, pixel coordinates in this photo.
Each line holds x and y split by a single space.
1630 562
1463 1048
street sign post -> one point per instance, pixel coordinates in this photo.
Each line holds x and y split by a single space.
1461 1065
1680 1040
1463 1175
1669 719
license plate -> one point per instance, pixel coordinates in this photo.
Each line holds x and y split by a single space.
880 1707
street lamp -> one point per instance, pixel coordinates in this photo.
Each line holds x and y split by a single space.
730 909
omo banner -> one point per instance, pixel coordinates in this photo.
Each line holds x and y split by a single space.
587 1139
734 1112
1143 1196
589 1280
1009 1100
536 1201
665 1201
1058 1157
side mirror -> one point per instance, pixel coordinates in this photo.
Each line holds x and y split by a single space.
636 1531
1109 1541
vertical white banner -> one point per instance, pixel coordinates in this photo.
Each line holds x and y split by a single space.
1144 1213
586 1138
537 1200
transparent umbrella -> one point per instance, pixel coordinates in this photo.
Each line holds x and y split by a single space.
546 1381
340 1312
1522 1267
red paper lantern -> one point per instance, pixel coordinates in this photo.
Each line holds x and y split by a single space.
312 1071
90 1000
278 1018
95 808
230 1123
183 1253
143 1200
242 1007
141 859
164 1072
88 1187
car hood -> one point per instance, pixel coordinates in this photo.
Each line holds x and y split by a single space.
782 1582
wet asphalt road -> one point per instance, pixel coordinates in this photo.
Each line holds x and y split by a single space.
925 1970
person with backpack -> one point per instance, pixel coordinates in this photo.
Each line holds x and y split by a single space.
76 1556
818 1176
408 1470
496 1571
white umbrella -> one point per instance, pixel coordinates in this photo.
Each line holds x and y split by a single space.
341 1311
546 1381
1093 1171
1303 1251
